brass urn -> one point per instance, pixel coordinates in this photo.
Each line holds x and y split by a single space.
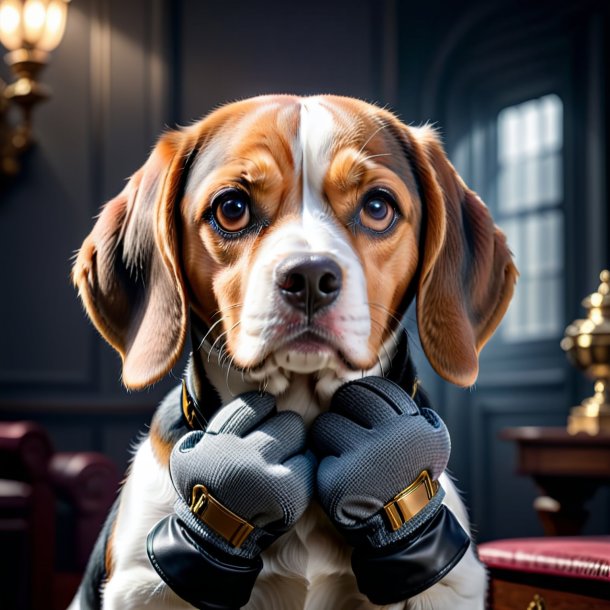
587 345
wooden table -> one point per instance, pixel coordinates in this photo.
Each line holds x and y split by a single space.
567 468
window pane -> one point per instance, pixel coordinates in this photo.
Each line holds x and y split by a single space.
552 122
459 158
552 320
529 180
531 294
549 242
531 129
514 239
512 325
535 311
542 235
509 134
531 183
551 185
531 263
510 187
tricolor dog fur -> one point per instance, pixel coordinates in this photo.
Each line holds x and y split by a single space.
290 235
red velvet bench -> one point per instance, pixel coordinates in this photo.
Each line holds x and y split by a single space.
554 573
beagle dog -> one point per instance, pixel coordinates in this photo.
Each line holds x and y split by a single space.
288 235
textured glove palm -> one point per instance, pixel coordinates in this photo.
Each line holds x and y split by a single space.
253 462
372 444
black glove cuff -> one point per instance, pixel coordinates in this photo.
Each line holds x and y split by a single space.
399 572
202 575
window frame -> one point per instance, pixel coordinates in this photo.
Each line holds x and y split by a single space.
521 213
478 125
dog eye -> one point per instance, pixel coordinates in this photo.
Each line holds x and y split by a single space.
378 211
231 210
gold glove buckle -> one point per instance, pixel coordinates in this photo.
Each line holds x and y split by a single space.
218 517
411 500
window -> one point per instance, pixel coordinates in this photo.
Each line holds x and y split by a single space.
529 195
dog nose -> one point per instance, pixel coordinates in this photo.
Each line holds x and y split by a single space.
309 282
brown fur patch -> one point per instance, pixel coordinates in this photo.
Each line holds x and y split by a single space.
109 554
161 448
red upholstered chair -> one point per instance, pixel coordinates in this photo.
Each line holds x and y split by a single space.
51 505
548 573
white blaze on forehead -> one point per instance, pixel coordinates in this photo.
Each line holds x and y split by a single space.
316 230
315 137
318 224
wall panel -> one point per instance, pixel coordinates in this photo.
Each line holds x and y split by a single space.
109 93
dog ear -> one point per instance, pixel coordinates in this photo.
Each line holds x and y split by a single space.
128 273
467 273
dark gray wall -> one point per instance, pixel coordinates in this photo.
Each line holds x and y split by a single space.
125 70
110 99
275 46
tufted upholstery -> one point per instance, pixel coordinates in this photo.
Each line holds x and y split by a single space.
566 572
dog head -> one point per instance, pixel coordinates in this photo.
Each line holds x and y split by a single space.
298 230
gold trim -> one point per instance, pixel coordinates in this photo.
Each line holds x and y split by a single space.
537 603
411 500
416 383
218 517
188 408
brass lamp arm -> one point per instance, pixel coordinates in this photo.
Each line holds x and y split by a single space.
29 30
16 136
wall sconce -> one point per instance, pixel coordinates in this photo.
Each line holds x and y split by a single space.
29 29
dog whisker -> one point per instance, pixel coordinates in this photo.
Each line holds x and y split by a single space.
400 328
369 157
218 312
221 311
394 336
223 355
389 358
382 126
226 332
201 343
381 364
385 310
229 366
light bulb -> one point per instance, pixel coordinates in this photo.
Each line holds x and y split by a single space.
10 24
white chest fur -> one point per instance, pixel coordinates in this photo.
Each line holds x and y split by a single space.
308 569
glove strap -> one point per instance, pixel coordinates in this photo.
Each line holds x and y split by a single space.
218 517
411 500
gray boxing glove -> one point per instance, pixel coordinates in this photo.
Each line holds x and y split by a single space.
380 459
241 484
